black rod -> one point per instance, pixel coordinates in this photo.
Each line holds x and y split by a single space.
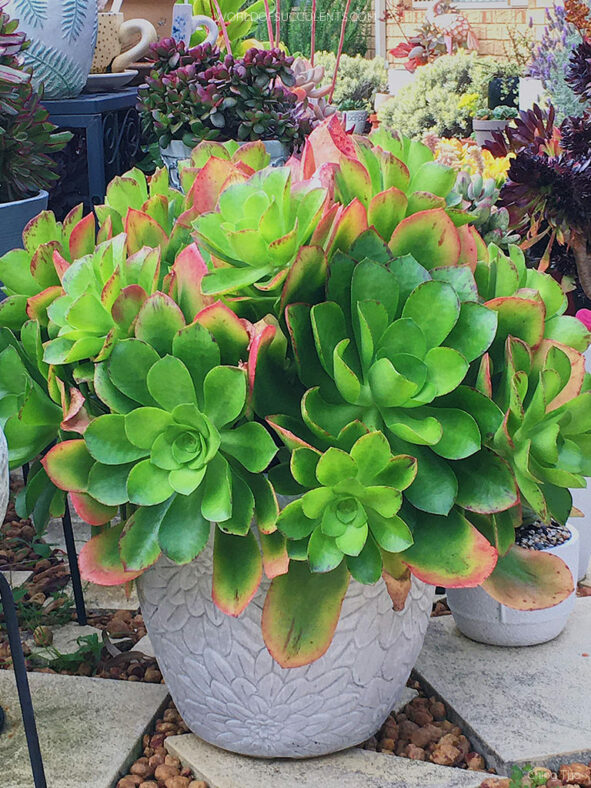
73 563
22 682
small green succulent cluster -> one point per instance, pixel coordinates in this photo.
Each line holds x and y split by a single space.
479 197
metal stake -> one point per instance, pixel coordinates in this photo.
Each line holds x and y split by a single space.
22 683
73 563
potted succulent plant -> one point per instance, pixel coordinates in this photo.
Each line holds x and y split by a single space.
198 94
540 391
27 139
485 121
283 426
356 83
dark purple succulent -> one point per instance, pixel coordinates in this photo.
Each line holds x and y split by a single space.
579 71
575 135
534 129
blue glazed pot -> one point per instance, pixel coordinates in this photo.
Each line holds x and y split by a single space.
14 217
63 38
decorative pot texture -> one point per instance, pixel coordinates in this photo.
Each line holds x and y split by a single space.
354 120
582 501
483 129
63 37
177 151
14 217
231 692
478 616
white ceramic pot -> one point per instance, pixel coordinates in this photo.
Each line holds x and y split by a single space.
483 129
478 616
177 151
531 91
63 37
231 692
4 476
355 120
398 78
14 217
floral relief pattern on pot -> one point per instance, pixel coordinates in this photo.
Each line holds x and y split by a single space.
231 692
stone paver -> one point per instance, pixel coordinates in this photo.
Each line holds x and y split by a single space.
145 646
65 639
54 535
89 729
16 578
350 769
108 597
518 705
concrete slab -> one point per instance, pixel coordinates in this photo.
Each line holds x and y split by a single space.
54 534
349 769
65 639
109 597
145 646
16 579
517 705
89 729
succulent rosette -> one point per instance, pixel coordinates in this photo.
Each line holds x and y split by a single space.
179 448
350 507
258 230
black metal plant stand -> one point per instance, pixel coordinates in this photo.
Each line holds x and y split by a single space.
72 558
22 682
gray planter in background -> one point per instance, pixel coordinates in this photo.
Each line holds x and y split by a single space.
231 693
14 217
177 151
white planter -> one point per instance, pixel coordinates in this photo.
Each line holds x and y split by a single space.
483 129
14 217
354 120
177 151
63 37
230 691
399 78
531 91
478 616
380 98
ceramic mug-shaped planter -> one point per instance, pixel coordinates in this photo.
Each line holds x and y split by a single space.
113 34
184 24
231 692
62 35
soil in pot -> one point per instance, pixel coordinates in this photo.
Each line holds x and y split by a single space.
478 616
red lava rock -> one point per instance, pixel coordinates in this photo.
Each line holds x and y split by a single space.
554 782
406 728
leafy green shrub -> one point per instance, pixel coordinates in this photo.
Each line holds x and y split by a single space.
358 79
430 102
296 16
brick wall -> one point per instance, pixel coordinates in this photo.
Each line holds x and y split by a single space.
490 25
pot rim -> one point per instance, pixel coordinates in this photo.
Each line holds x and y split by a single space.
41 195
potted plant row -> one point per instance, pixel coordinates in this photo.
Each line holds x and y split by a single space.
27 139
291 401
486 121
201 94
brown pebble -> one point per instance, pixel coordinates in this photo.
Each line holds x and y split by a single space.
156 760
129 781
197 784
153 676
148 784
554 782
171 760
142 767
415 753
177 782
164 771
475 762
575 773
496 782
437 710
388 744
406 728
